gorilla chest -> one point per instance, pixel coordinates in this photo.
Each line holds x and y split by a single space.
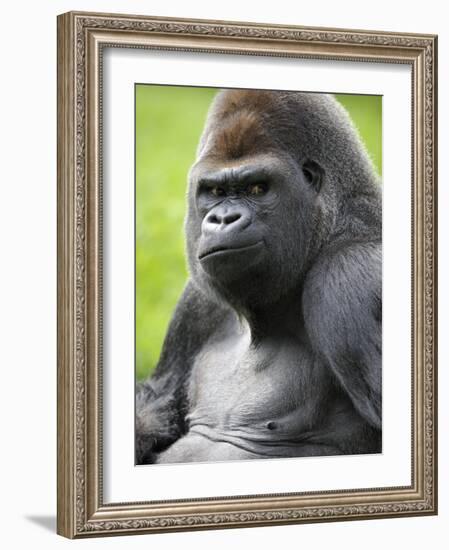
237 388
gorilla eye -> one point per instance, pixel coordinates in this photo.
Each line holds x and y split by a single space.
217 191
257 189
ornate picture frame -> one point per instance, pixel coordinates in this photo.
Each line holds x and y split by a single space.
82 40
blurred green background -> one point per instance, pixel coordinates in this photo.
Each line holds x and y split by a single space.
169 121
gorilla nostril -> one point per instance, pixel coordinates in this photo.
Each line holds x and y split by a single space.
212 218
231 218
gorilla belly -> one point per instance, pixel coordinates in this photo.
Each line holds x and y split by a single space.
195 447
248 403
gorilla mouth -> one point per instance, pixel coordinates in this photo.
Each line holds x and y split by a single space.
220 250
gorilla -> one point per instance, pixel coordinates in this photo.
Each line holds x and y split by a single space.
274 348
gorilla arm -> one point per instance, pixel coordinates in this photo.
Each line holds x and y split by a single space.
161 399
342 304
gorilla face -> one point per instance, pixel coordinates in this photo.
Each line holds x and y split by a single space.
249 218
234 205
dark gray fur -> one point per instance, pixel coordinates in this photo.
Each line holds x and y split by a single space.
274 350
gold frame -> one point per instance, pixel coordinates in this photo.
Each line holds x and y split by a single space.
81 37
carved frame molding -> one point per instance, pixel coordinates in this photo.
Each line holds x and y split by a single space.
81 38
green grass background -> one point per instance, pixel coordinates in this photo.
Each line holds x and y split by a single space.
169 121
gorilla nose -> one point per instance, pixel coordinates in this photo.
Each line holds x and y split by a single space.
226 219
223 220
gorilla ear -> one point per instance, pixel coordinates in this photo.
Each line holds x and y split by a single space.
313 174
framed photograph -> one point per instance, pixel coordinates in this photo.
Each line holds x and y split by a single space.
246 274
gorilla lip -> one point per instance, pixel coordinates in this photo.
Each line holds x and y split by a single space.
222 250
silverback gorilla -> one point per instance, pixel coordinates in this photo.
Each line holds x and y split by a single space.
274 349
